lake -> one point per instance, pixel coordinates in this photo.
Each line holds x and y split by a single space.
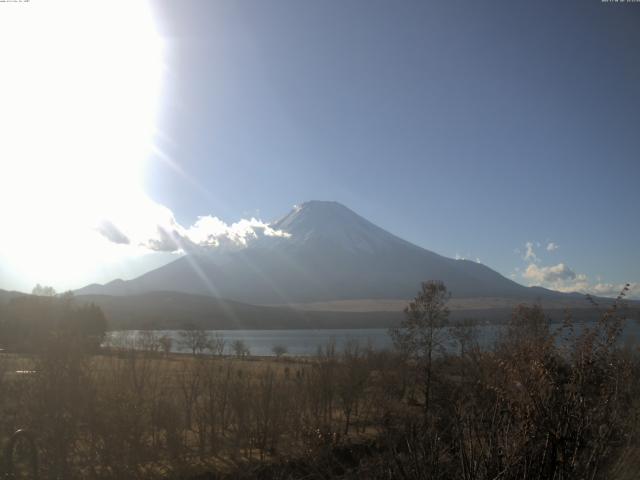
297 342
306 342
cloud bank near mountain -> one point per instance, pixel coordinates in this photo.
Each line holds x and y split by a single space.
553 273
158 230
562 278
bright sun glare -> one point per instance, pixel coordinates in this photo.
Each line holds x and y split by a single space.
78 101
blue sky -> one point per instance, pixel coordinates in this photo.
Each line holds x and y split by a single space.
469 128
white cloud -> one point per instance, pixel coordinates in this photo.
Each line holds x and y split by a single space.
168 240
210 231
580 283
154 227
551 246
552 273
111 232
530 255
562 278
556 277
613 289
559 277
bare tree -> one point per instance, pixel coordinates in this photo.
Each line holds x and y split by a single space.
165 342
279 350
120 341
464 334
240 348
43 291
351 381
194 339
421 332
148 341
217 344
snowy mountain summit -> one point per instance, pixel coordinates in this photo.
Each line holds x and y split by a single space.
328 252
332 224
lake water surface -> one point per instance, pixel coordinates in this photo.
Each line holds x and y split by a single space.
306 342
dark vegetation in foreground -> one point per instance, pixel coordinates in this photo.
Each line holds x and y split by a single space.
546 401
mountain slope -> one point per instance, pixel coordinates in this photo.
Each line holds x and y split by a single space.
331 253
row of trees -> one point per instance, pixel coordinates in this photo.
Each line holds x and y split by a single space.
32 323
194 340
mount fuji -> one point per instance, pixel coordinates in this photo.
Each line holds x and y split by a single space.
327 253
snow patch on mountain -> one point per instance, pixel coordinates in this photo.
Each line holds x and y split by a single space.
334 225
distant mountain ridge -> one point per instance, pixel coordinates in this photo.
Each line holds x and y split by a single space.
174 310
330 253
